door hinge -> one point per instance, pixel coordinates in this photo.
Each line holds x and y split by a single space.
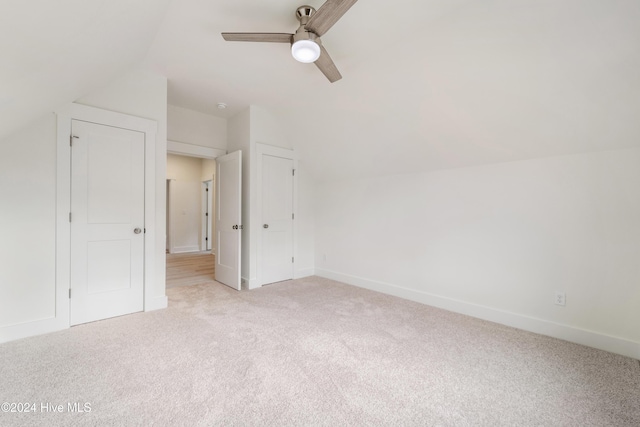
206 239
293 172
71 140
144 230
69 216
293 216
206 214
69 293
291 259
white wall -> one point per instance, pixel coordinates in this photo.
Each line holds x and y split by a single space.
27 224
305 222
28 213
208 170
184 168
195 128
496 242
185 196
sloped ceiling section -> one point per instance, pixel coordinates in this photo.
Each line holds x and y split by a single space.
428 84
53 52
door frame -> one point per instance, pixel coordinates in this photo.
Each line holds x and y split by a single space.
206 207
63 200
270 150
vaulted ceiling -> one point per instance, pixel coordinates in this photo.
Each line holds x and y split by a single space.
53 52
427 84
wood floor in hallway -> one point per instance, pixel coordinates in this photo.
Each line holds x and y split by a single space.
190 269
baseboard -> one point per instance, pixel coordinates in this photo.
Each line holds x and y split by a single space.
299 274
156 303
183 249
31 329
544 327
251 283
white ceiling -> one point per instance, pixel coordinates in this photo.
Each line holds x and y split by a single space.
427 84
53 52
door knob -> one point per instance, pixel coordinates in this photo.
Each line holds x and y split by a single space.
265 226
137 230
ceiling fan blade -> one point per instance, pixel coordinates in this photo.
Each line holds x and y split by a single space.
258 37
326 65
327 15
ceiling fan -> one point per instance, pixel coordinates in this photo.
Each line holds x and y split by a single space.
306 45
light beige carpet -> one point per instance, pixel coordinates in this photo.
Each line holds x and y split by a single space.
312 352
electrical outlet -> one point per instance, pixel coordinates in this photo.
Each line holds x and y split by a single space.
560 298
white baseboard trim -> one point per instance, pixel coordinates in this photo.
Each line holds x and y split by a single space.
299 274
156 303
31 329
252 283
183 249
540 326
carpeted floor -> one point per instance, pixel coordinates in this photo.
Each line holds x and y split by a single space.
312 352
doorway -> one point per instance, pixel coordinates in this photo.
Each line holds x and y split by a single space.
190 199
190 257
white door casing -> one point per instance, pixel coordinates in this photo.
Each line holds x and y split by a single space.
207 215
228 214
210 216
277 219
107 222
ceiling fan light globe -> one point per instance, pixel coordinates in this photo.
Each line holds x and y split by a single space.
306 51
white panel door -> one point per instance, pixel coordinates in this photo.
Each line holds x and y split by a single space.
277 219
107 222
228 211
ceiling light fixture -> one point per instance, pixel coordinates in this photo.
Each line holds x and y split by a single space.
306 51
222 105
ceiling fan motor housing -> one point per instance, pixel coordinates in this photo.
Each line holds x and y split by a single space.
304 13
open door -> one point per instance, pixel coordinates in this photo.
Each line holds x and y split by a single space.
228 212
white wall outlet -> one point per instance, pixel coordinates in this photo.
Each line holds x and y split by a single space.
560 298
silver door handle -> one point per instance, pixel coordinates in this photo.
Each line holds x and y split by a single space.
137 230
265 226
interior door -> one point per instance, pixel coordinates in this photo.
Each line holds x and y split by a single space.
228 211
107 222
277 219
